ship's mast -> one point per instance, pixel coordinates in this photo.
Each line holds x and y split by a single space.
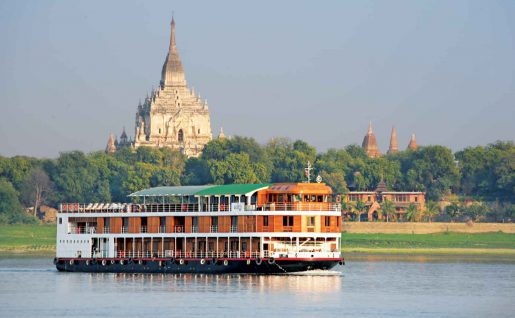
308 171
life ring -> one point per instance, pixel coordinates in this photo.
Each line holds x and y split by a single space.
181 261
179 229
160 263
122 262
87 262
271 261
55 261
104 263
202 262
226 262
71 262
140 262
258 261
248 262
113 262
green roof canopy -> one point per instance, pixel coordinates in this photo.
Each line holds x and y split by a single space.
169 191
205 190
233 189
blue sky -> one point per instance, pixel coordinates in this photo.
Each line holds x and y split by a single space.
71 72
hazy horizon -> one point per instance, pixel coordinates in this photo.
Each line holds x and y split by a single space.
73 72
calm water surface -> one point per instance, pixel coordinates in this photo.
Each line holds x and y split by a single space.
365 287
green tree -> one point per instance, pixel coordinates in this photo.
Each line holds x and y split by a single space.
413 213
431 210
360 208
431 169
236 168
78 179
476 211
36 189
488 172
289 159
11 210
454 211
196 172
387 209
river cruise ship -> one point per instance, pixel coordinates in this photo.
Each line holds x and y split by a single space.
238 228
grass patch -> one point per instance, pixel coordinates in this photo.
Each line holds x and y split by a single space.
447 240
27 238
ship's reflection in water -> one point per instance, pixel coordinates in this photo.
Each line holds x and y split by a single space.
313 282
413 287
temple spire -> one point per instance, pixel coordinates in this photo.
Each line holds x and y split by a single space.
413 143
370 143
173 47
173 72
393 142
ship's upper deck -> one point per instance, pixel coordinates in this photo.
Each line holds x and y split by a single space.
215 198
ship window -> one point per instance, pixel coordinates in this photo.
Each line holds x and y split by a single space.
60 220
181 135
265 220
311 221
327 221
288 220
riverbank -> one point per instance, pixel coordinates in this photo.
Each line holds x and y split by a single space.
27 239
447 243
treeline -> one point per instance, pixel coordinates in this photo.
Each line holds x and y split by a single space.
485 173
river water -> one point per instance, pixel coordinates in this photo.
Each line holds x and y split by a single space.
365 287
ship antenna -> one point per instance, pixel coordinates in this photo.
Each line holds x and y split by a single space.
308 171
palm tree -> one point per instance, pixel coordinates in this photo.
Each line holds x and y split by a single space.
412 212
432 210
345 208
388 209
360 209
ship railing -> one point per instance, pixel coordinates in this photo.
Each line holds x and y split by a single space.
194 229
193 207
190 254
94 207
143 229
234 229
303 254
106 230
301 206
82 230
162 229
213 228
125 229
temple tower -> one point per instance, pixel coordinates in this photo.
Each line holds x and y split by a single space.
370 143
393 142
111 144
413 143
173 115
